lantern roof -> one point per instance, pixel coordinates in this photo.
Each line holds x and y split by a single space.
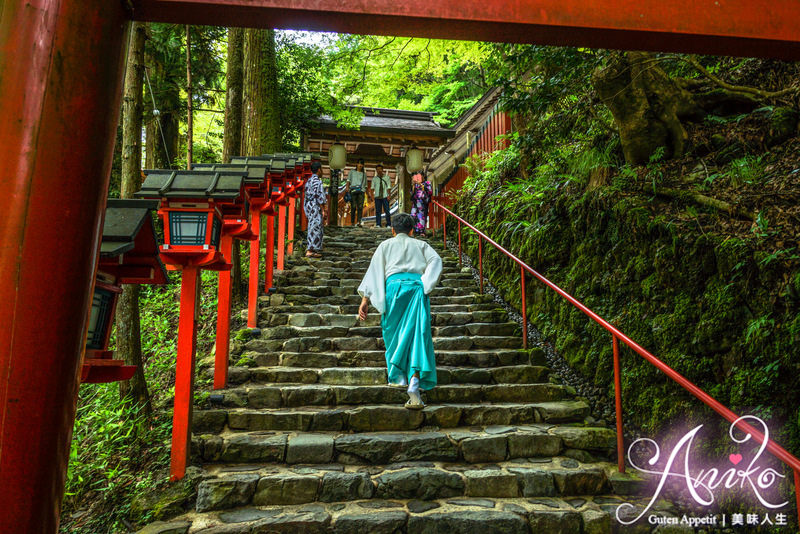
129 250
217 185
290 160
256 170
274 165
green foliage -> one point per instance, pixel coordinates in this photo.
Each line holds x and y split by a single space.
442 76
746 170
704 304
117 451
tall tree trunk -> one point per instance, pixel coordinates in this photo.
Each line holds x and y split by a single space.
261 132
189 110
232 136
234 78
647 105
129 345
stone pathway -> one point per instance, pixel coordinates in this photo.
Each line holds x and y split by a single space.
309 438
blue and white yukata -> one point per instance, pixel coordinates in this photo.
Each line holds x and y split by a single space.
314 200
402 273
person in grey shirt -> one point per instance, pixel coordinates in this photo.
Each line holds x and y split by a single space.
356 186
381 186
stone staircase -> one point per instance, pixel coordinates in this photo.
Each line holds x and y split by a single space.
309 438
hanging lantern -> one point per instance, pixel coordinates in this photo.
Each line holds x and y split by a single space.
337 156
414 159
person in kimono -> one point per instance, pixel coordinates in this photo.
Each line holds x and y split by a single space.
314 205
402 273
421 194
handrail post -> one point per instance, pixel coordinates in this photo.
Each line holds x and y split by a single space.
480 261
618 403
459 244
797 491
444 229
524 309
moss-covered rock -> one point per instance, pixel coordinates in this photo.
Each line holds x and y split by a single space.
166 502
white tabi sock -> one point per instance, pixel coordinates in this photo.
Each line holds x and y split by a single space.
413 390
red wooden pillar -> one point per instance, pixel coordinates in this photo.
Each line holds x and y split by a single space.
61 65
270 254
222 347
184 374
281 236
252 283
291 223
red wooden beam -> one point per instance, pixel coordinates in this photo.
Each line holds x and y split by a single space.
769 28
61 65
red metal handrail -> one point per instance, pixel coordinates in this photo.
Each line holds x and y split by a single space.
617 335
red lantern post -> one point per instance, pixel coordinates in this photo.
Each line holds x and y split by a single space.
192 217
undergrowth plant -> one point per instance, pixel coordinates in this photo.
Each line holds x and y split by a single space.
117 451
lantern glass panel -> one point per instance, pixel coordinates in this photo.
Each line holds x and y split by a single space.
187 227
99 319
216 228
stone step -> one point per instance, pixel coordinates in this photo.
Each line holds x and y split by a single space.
304 278
348 295
349 306
359 343
289 316
470 445
360 375
487 359
279 485
383 417
345 288
325 394
350 262
470 329
589 514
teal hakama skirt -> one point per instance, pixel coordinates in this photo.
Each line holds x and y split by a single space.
406 326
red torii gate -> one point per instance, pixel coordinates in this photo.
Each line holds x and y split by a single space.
61 64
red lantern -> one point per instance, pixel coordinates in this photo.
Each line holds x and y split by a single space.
128 255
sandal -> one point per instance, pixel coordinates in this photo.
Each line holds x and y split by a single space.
313 255
411 405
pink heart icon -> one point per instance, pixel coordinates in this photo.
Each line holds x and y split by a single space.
735 458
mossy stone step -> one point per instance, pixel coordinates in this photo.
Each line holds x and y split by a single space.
360 375
358 343
471 445
471 329
286 485
322 394
485 358
351 309
380 417
457 515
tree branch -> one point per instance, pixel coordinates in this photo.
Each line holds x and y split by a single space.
766 95
709 202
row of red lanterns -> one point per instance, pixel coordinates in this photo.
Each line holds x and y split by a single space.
202 211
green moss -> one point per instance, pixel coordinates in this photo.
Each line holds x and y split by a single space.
688 298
